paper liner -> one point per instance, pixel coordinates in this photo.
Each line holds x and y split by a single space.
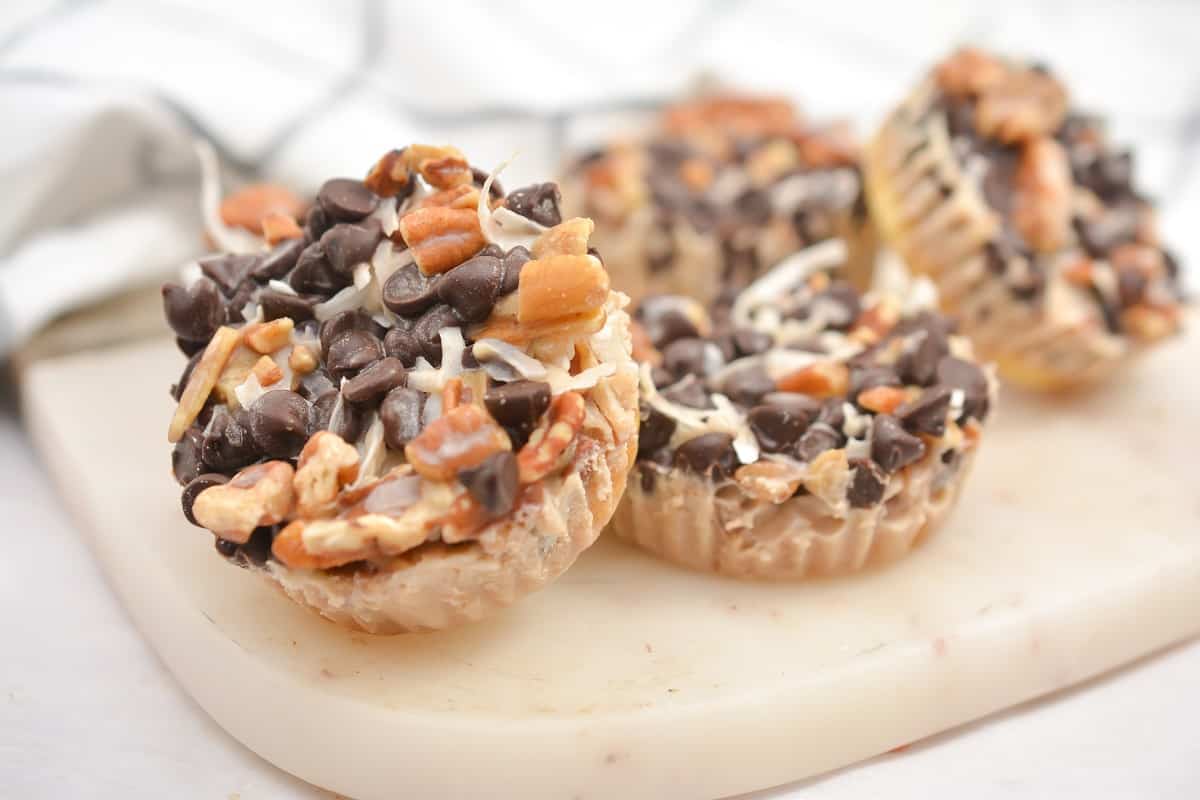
937 219
439 586
684 518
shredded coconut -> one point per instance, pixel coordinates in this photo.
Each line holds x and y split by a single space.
504 227
231 240
281 287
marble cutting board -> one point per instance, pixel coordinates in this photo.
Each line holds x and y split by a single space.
1076 548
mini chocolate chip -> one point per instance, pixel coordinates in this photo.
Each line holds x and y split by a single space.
518 405
753 206
375 380
313 274
402 344
493 483
775 427
867 484
194 313
237 304
816 440
870 376
471 288
409 292
189 348
344 322
346 200
655 430
692 356
919 365
1131 287
228 445
891 446
194 487
427 328
660 377
1101 234
494 250
926 414
709 454
748 385
279 262
315 384
346 246
351 352
1109 175
751 342
229 270
796 404
833 413
400 412
257 549
350 418
316 223
276 305
959 374
538 202
667 325
688 392
514 260
279 423
226 548
186 458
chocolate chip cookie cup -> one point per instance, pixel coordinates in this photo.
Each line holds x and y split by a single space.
799 429
1026 218
414 409
723 188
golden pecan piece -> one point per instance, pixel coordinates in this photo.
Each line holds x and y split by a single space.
258 495
327 463
390 176
278 227
969 72
508 329
882 399
465 196
560 286
202 380
442 167
550 439
267 337
568 238
459 439
1025 106
302 359
441 238
770 481
247 207
831 146
1042 199
267 371
823 379
1149 323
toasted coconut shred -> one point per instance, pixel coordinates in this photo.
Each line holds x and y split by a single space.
516 445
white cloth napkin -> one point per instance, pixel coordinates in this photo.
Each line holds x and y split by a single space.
99 185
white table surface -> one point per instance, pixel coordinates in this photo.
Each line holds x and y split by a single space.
88 711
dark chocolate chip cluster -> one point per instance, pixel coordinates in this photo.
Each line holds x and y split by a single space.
889 397
359 362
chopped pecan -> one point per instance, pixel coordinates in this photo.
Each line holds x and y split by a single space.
390 176
1145 259
459 439
278 227
442 167
823 379
550 439
829 476
258 495
327 463
247 207
464 519
568 238
771 161
202 380
1079 272
267 371
508 329
268 337
1026 105
463 196
696 173
302 359
770 481
441 238
1042 200
452 394
831 146
882 399
969 72
1149 323
736 114
560 286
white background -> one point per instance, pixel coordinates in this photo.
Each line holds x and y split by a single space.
301 90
